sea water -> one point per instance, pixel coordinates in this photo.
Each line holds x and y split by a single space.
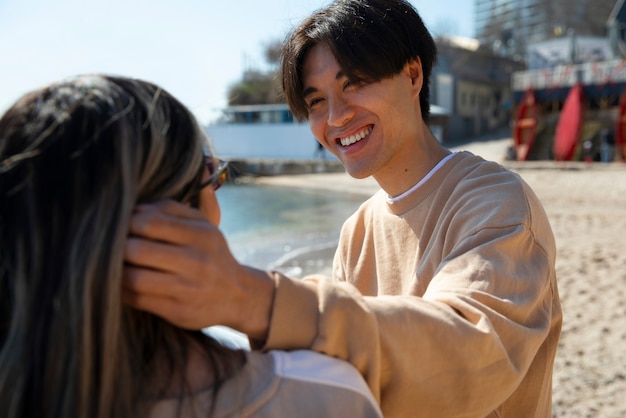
291 230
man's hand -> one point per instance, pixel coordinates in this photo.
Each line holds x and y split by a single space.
179 267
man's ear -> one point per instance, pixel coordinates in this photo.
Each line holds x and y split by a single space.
414 68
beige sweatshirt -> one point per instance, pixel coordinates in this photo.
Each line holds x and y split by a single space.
445 301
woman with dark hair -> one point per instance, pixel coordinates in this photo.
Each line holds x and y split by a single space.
76 158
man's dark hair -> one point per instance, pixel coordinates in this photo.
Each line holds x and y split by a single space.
370 39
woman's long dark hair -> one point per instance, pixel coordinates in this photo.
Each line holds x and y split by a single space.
75 159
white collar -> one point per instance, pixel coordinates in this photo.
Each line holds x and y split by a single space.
422 181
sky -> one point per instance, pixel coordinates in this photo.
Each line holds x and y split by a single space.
195 49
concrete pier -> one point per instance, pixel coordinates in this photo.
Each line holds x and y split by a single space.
275 167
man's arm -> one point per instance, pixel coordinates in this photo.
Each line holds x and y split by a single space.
179 267
456 350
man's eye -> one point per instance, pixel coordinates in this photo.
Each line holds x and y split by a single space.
313 102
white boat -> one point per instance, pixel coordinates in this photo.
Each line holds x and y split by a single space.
267 131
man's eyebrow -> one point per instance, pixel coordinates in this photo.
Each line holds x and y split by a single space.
310 90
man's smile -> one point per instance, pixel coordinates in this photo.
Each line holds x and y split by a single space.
355 137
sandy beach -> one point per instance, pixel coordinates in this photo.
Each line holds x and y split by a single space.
586 204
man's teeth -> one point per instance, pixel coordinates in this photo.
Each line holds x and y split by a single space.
355 138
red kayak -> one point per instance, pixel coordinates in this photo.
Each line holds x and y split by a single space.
569 127
525 126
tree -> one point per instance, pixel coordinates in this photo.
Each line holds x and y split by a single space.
259 87
256 88
272 53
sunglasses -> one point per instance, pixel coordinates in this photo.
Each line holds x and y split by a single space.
218 170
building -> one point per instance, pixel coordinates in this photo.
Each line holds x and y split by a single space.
575 87
510 26
616 28
474 85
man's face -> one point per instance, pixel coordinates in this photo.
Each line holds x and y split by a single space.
369 127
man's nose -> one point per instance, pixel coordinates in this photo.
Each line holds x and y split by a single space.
339 112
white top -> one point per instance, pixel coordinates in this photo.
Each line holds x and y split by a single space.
301 384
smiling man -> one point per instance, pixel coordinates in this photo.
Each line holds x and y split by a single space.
444 292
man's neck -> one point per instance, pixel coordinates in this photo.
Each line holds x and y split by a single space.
410 167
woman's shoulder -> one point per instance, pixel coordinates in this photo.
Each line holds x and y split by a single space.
308 365
309 384
281 383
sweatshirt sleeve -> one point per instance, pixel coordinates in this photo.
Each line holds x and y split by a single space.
324 316
459 350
